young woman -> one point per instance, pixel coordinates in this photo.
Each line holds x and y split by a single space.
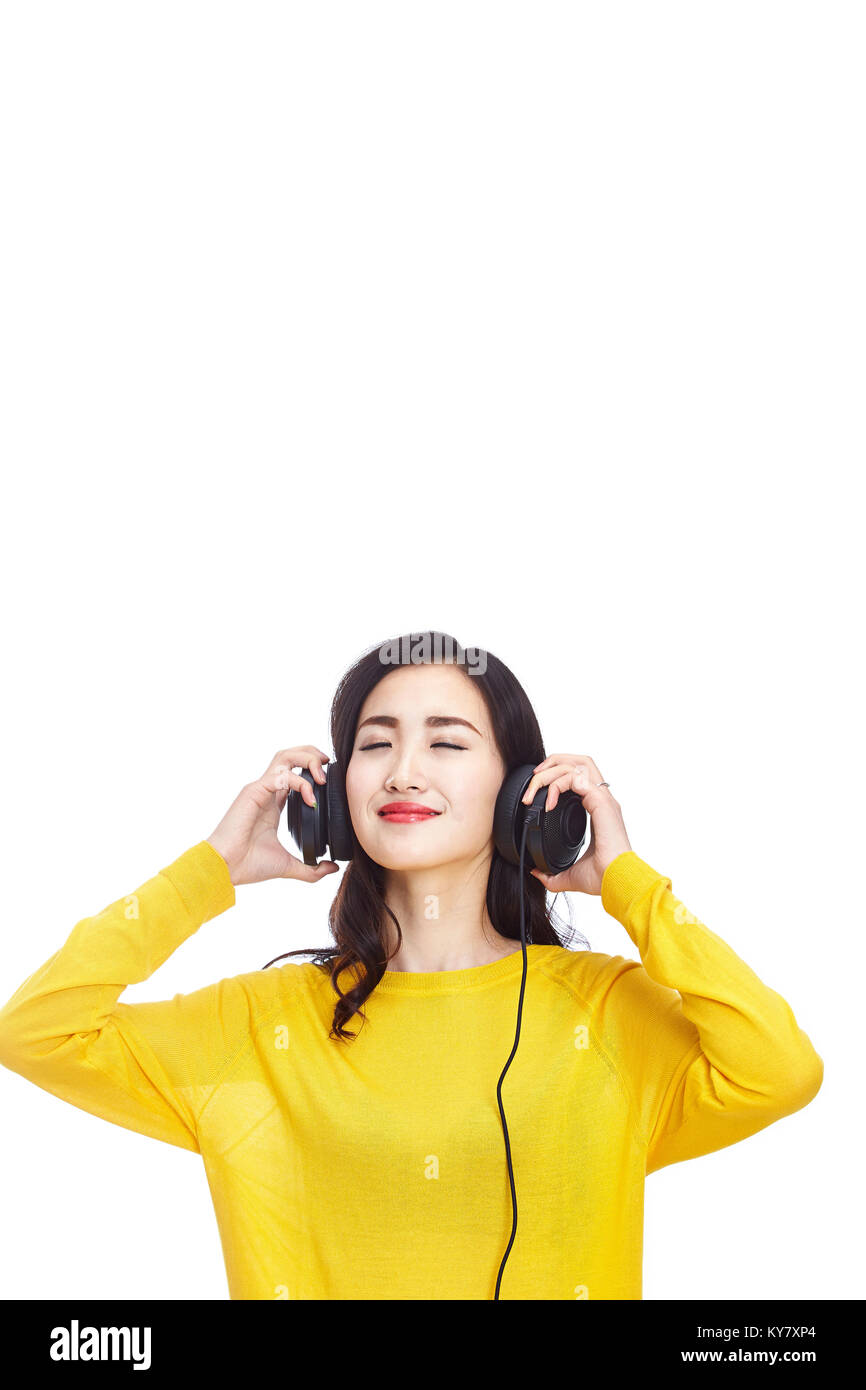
367 1162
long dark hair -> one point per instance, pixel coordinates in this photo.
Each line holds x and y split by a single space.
356 916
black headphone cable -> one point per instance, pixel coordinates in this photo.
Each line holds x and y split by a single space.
508 1064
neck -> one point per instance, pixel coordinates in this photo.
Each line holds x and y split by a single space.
443 917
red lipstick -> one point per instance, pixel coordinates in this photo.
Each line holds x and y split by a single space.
405 812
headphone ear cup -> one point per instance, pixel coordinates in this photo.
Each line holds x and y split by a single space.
508 815
553 844
308 824
563 831
327 824
341 836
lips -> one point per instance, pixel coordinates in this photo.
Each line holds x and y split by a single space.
407 811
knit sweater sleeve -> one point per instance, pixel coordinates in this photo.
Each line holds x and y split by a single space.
149 1067
709 1053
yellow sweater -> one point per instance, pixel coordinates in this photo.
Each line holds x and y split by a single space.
375 1169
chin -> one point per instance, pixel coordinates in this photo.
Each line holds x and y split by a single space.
398 852
404 859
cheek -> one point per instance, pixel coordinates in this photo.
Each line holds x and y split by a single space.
363 785
472 801
355 790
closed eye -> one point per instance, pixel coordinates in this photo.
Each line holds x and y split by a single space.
461 748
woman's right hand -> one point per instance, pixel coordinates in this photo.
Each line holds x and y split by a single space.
246 837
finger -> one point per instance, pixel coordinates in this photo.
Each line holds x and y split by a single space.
556 758
561 784
588 782
590 771
314 762
307 792
316 766
310 873
541 779
282 780
566 758
583 777
301 756
554 883
538 779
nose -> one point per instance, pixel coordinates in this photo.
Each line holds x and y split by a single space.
405 776
404 784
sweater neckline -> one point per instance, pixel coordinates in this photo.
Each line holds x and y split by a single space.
447 981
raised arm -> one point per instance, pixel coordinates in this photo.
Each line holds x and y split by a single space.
709 1052
144 1066
152 1067
712 1052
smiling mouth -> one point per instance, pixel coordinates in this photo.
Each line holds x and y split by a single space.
408 814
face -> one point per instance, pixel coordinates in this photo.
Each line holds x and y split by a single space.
409 749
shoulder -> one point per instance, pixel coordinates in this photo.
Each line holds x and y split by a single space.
590 975
260 992
618 994
300 977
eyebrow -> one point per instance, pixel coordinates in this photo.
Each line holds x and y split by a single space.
433 721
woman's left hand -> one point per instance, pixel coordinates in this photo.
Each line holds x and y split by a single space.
563 772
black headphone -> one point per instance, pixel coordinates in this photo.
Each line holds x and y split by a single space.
554 839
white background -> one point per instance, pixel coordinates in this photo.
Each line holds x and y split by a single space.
540 324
